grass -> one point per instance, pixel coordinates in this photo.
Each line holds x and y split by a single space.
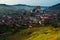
41 33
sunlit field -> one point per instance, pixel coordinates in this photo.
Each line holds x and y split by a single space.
36 33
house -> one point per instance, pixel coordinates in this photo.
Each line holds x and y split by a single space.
36 10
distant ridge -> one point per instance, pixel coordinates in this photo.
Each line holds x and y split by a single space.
5 5
27 5
55 7
22 6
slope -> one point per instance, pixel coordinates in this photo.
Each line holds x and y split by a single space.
42 33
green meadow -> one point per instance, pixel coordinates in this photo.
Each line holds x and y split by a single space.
36 33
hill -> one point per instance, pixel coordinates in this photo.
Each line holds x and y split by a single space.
53 9
29 6
13 9
42 33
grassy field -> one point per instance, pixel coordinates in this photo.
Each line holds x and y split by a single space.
37 33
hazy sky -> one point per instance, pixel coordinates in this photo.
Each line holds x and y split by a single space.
31 2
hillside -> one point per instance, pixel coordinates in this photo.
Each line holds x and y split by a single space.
55 7
42 33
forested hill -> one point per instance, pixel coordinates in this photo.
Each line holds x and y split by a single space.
55 7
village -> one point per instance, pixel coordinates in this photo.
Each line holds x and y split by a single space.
35 17
29 19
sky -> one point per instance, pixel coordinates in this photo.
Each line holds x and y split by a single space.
31 2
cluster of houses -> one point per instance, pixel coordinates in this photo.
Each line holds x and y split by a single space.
26 19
